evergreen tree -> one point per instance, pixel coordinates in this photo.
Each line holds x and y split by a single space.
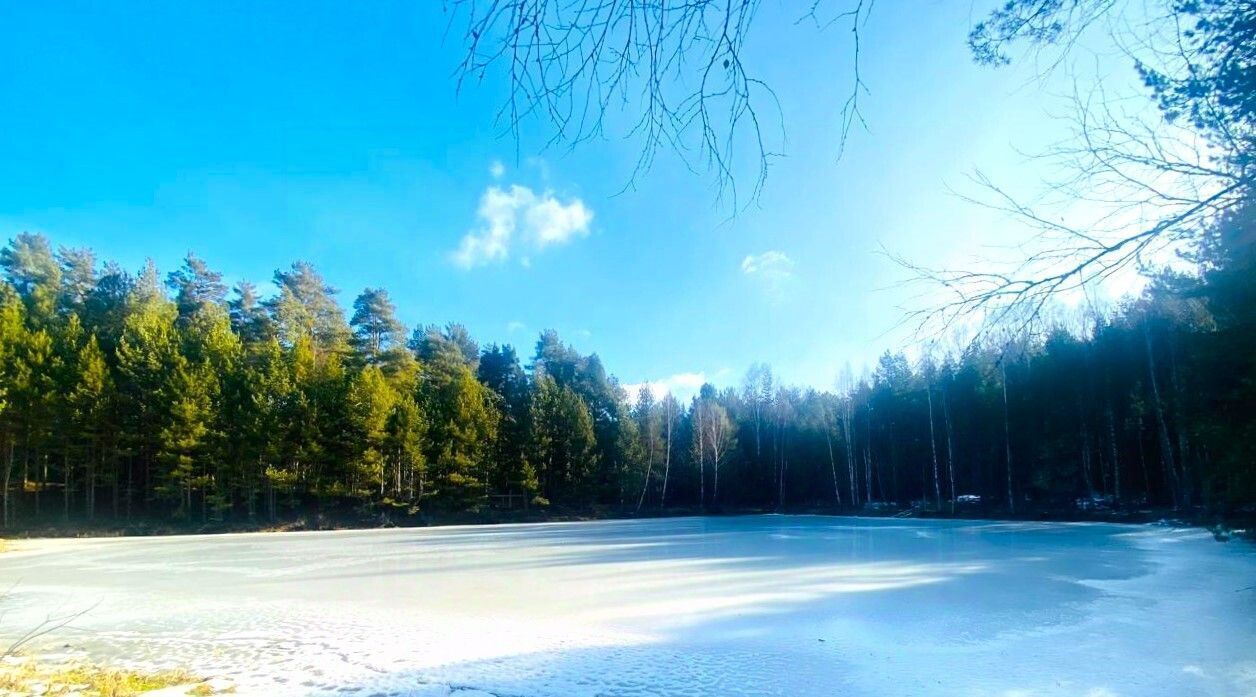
404 433
501 372
371 401
92 400
249 319
172 402
306 308
196 288
12 372
563 443
462 425
374 322
31 269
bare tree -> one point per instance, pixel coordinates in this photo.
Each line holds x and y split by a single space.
701 414
846 393
829 419
721 441
669 420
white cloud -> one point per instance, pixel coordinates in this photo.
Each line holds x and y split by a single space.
552 222
773 269
497 169
770 264
514 217
515 326
682 386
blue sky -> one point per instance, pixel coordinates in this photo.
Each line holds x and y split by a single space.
256 134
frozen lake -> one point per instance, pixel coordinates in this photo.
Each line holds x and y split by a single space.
764 605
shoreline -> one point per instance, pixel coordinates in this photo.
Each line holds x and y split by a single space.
1223 527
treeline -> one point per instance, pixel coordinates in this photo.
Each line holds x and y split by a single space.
130 396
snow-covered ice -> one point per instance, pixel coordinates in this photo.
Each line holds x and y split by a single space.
763 605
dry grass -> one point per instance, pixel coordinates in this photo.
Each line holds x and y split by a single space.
28 677
15 676
205 689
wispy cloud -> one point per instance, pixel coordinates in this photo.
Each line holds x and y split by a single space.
517 217
515 326
772 263
497 169
540 165
682 386
772 268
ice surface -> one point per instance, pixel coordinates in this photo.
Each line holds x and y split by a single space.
764 605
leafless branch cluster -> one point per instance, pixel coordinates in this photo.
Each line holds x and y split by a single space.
1132 189
668 72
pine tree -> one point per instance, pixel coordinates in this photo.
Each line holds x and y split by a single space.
403 445
12 336
306 308
371 401
375 324
148 357
92 400
500 371
462 424
563 442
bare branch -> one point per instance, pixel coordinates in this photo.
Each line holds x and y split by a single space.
50 624
670 73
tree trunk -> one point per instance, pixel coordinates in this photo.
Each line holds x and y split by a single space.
701 461
868 457
715 470
26 462
950 447
1180 423
1087 479
933 447
1116 462
8 481
850 455
780 456
894 465
1007 440
667 458
649 468
837 492
89 484
65 483
130 485
780 492
1162 428
43 482
1142 459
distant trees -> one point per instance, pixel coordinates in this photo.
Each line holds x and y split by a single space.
123 397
